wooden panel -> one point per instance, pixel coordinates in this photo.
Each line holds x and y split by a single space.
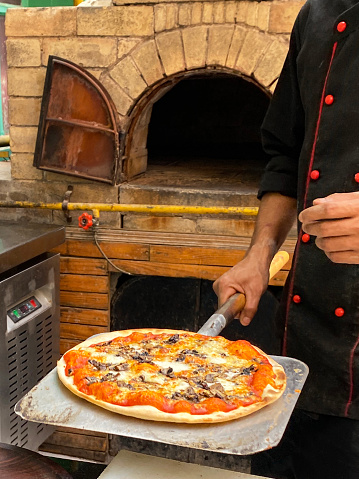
111 250
93 317
66 344
195 255
79 331
72 265
74 452
84 300
178 270
84 283
198 255
78 440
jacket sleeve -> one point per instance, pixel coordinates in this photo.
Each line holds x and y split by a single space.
283 128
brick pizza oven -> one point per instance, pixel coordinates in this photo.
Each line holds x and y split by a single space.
189 83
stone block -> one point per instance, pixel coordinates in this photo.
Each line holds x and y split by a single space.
207 16
271 64
128 77
22 167
263 16
254 47
122 101
26 81
252 12
23 139
40 22
86 52
24 111
134 20
160 18
195 46
242 11
171 16
231 12
219 12
236 45
125 45
283 15
147 61
171 52
96 21
219 41
196 13
184 14
21 52
159 223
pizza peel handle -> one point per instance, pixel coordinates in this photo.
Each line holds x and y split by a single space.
228 311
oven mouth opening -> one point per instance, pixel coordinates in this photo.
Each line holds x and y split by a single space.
204 134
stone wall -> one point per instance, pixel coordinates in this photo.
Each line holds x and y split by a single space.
132 50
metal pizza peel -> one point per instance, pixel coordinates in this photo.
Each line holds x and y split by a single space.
50 402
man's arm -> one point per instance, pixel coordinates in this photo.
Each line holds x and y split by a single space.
276 216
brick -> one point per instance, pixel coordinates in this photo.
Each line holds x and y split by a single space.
271 64
242 12
254 46
23 52
283 15
40 22
24 111
236 45
195 46
263 16
22 167
86 52
252 12
196 13
148 63
26 81
96 21
231 11
184 14
122 101
23 139
207 16
134 20
125 45
219 12
219 41
171 52
171 16
160 18
128 77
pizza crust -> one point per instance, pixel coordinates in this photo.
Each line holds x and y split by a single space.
270 394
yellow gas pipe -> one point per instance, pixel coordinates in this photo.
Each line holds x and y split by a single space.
95 208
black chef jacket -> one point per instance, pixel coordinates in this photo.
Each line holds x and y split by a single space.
311 132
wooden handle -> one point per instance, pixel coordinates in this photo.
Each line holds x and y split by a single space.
228 311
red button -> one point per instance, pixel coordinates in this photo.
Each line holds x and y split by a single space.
341 27
314 174
297 299
305 238
32 302
356 177
339 312
329 99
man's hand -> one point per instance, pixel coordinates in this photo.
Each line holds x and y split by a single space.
334 220
245 277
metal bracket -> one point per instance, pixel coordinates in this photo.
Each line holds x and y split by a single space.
65 203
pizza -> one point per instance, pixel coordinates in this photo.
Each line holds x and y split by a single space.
169 375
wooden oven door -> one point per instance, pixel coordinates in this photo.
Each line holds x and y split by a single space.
78 130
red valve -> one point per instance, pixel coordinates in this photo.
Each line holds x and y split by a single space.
85 221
